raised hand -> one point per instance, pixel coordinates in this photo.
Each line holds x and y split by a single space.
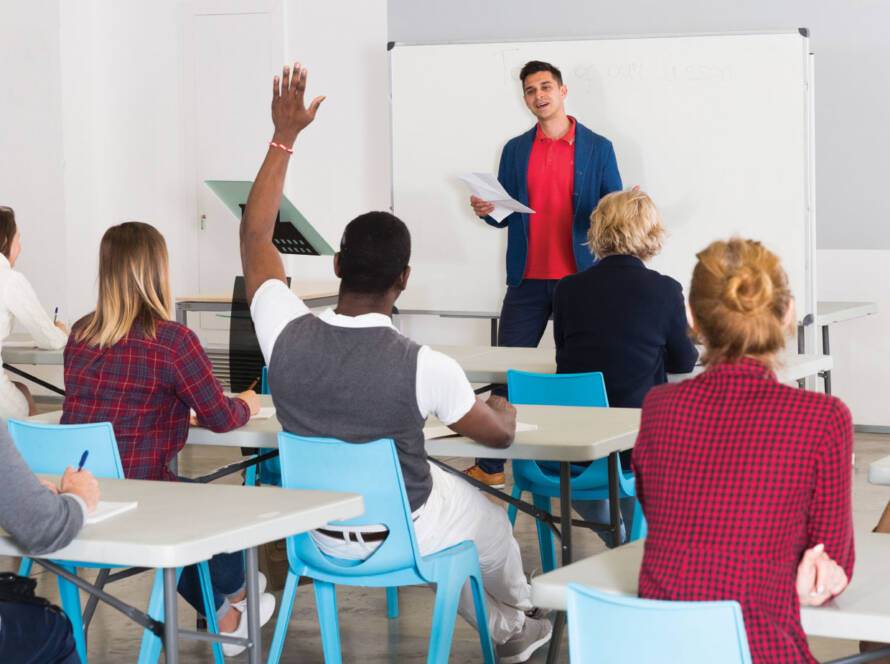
289 112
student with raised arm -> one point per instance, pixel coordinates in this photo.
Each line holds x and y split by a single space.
127 363
349 374
744 481
18 302
41 518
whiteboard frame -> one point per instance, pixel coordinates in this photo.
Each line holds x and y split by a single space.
806 314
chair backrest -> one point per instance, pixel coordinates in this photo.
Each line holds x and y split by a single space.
50 448
371 469
581 389
614 628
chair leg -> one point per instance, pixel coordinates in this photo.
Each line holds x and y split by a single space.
25 567
210 609
392 602
284 611
638 528
326 602
482 617
511 510
250 476
448 589
69 595
545 537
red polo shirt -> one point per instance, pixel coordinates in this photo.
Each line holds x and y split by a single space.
551 174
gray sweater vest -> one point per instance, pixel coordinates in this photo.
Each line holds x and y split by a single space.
355 384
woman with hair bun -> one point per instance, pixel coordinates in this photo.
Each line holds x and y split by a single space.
744 481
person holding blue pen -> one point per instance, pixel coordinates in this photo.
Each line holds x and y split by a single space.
19 303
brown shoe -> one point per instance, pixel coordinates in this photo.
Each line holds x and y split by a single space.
494 480
868 646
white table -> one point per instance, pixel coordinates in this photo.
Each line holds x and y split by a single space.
313 293
20 349
489 364
861 612
879 471
828 313
178 524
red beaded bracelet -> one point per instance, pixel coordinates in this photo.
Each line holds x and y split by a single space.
283 147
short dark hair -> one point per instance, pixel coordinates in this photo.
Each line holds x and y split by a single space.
8 229
374 250
535 66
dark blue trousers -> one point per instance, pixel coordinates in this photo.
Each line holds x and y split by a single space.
524 315
31 634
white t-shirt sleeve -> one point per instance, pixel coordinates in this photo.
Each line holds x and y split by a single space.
274 305
442 387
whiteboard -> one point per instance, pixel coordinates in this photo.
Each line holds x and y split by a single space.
716 128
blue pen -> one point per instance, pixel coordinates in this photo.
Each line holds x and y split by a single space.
83 459
55 315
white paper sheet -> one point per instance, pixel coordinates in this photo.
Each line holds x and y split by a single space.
487 187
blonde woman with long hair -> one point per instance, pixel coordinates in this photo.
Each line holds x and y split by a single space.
127 363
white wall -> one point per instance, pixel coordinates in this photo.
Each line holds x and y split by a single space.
96 132
860 348
31 167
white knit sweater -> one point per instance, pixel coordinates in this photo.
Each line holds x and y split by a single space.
18 302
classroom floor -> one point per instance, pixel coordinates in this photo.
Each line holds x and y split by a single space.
366 634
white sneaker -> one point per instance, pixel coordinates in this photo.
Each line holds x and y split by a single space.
267 608
535 633
241 604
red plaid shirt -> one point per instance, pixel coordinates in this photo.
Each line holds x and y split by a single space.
145 388
737 474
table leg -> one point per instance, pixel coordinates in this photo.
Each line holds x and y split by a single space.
181 314
494 331
253 606
171 619
565 510
614 501
565 518
826 350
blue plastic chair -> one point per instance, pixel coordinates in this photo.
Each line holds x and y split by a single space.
373 470
541 479
50 448
269 472
614 628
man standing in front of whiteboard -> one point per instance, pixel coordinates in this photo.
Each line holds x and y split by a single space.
560 169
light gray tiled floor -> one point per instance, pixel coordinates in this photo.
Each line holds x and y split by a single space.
366 634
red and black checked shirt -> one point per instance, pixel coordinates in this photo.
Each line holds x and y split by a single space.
737 474
145 388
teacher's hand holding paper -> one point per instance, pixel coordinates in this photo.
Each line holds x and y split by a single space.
490 198
480 207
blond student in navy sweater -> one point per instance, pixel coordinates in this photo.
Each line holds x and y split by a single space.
620 317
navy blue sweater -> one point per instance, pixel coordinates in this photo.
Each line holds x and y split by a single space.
623 319
596 174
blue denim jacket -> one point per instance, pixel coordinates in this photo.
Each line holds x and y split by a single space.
596 174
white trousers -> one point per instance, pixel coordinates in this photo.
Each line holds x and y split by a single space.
453 513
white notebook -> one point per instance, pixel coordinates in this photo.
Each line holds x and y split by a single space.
108 508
